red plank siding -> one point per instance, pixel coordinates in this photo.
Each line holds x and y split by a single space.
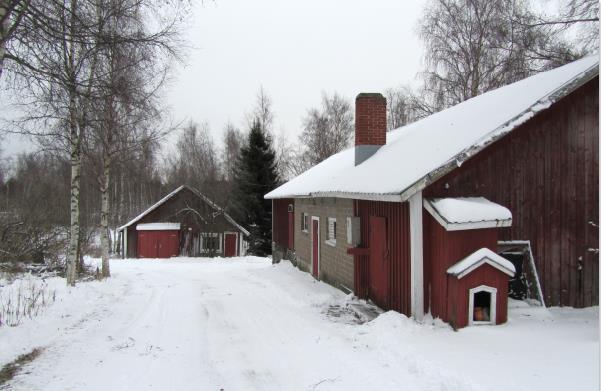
458 294
281 224
399 253
547 173
442 249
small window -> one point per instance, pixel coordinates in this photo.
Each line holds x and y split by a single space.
304 222
331 231
210 243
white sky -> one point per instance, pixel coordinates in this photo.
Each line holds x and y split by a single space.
294 49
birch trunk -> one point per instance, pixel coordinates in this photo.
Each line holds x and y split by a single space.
75 161
75 156
3 31
104 214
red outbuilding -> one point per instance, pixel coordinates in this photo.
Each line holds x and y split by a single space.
186 223
495 197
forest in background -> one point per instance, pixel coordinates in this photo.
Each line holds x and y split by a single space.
90 106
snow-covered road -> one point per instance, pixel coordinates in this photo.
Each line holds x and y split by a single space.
243 324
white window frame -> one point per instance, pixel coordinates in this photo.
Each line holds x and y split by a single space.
305 222
493 305
331 240
219 237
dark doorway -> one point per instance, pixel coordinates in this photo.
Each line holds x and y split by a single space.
482 306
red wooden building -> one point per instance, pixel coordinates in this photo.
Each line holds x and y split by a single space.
185 223
507 178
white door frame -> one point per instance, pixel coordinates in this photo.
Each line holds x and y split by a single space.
316 218
493 305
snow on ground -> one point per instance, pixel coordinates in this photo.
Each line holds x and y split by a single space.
244 324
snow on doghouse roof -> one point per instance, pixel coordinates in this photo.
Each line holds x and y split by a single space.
478 258
419 153
173 193
462 213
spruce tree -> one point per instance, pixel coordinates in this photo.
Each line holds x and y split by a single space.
255 176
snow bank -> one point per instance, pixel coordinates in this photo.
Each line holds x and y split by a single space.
245 324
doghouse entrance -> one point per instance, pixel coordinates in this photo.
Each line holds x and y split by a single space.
482 305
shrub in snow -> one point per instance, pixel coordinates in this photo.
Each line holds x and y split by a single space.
25 298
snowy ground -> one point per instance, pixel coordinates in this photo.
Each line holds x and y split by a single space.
243 324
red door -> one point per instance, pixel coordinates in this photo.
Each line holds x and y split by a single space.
378 262
290 227
230 245
168 244
158 244
315 244
146 244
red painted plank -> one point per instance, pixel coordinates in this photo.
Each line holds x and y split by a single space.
547 173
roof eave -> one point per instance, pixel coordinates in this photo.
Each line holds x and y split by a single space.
498 133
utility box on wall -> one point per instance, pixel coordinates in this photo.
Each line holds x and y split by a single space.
353 231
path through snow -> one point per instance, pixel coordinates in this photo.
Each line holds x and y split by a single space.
244 324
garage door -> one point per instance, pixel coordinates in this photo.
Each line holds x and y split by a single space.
158 244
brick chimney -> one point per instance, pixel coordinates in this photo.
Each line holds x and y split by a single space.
370 125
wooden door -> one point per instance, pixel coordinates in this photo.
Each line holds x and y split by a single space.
378 262
291 227
230 245
315 248
167 244
147 246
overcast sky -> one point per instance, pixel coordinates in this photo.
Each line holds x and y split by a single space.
295 50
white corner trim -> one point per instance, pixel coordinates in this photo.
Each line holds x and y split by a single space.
417 257
493 305
449 226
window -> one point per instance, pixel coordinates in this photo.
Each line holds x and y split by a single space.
304 222
210 243
331 231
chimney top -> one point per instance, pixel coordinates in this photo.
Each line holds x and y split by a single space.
370 125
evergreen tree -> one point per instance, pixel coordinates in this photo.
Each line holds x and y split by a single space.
255 176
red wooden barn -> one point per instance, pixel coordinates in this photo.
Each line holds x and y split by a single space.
186 223
495 196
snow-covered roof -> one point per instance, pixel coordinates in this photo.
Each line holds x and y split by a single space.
158 227
420 153
173 193
478 258
456 214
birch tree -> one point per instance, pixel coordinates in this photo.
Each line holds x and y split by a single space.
134 64
60 78
474 46
327 130
11 14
